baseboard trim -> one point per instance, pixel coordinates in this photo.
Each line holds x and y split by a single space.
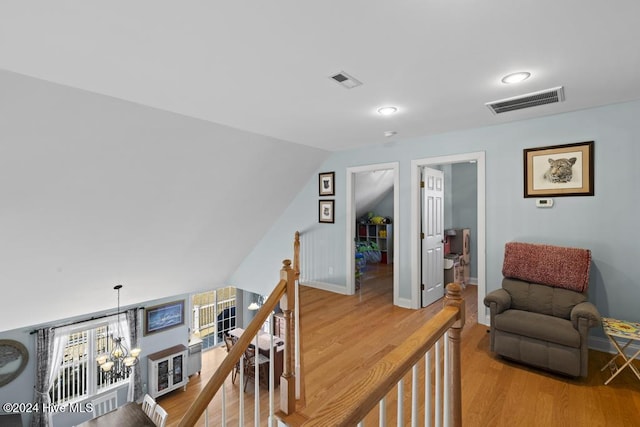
604 345
404 303
331 287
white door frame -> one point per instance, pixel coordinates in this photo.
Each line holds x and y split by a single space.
416 165
351 222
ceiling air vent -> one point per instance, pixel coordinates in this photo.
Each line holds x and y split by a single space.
547 96
346 80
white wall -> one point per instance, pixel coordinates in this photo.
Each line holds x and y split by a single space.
385 207
465 210
605 223
95 191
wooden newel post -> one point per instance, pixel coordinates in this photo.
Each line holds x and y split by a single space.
288 380
296 254
454 298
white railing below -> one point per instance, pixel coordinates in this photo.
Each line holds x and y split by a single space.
228 403
234 405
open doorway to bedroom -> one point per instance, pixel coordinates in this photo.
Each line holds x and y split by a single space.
476 221
374 227
372 214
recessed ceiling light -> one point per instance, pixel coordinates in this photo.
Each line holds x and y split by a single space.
390 133
516 77
387 111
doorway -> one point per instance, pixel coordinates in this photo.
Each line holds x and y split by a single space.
362 197
416 217
432 235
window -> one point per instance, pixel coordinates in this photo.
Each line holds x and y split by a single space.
79 375
214 313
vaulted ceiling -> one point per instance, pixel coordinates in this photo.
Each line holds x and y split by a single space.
264 67
137 138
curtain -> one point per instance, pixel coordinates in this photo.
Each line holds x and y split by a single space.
50 348
135 380
44 347
50 345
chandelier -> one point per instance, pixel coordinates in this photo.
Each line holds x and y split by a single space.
117 364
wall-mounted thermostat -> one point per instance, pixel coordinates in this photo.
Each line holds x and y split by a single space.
544 203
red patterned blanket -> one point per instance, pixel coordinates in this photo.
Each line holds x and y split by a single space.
548 265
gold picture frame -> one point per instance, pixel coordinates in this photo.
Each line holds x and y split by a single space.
559 170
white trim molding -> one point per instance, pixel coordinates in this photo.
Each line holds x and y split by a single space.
351 221
326 287
605 346
416 166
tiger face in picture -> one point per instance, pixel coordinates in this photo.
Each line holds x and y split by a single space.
560 170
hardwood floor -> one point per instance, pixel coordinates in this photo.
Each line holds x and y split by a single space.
177 402
342 336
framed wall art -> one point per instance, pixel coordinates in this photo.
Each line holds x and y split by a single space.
326 183
325 213
164 316
559 170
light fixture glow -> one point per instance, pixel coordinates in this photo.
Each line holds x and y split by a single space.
516 77
117 363
387 111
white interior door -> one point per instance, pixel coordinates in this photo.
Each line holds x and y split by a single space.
432 236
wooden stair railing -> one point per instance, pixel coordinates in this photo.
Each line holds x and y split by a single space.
351 406
284 293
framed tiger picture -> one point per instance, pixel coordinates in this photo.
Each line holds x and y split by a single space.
559 170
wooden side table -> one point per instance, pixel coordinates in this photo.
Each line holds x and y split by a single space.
618 331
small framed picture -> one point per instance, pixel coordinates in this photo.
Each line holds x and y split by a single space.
559 170
325 213
326 181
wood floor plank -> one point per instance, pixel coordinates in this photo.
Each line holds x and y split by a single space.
342 336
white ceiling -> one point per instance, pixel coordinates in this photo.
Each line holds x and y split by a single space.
263 66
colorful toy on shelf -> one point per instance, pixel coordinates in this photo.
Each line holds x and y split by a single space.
377 220
370 251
